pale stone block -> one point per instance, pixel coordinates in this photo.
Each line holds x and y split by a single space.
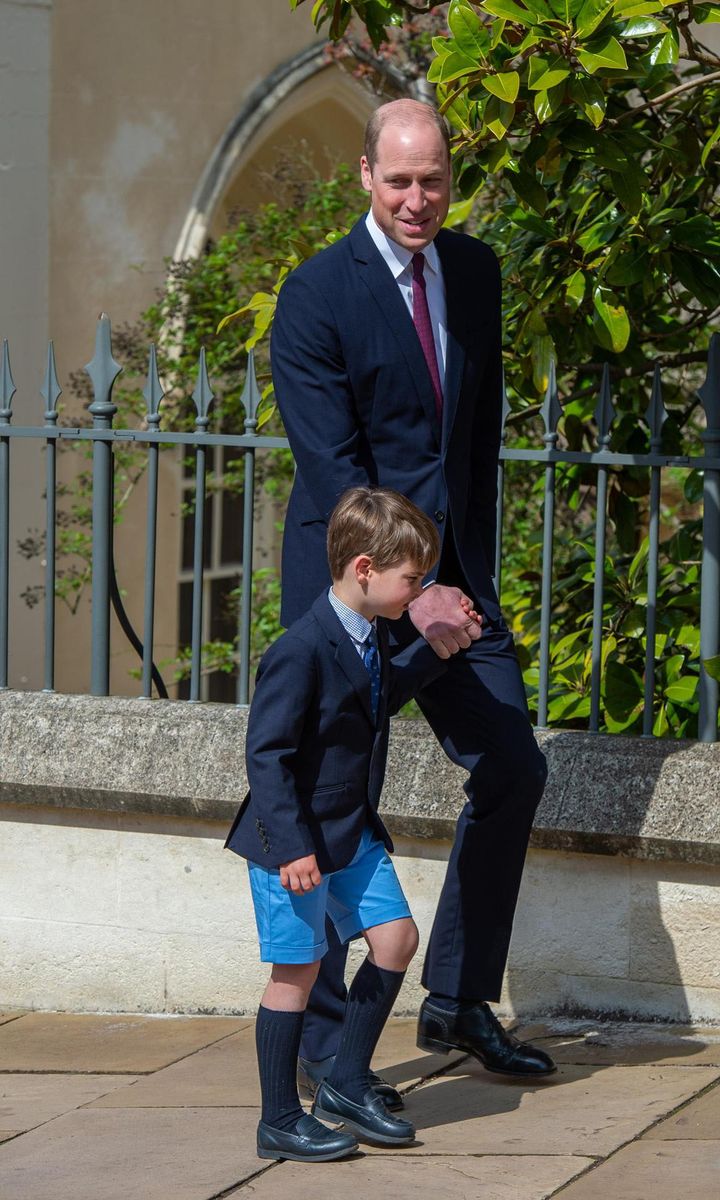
30 1100
222 1076
637 999
698 1121
405 1176
204 973
580 1110
83 968
111 1154
572 915
59 869
675 926
119 1043
651 1170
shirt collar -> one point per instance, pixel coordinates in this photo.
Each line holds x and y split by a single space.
352 622
397 257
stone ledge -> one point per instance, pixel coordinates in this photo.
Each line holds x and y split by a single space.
642 798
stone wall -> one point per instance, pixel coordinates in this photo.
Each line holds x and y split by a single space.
115 893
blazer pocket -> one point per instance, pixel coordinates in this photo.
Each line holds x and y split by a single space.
326 789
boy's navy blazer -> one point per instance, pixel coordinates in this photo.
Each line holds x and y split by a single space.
315 753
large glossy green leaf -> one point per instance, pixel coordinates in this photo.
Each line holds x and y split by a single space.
707 13
637 8
665 52
543 352
498 116
683 691
591 15
547 104
575 289
471 36
601 54
712 141
642 27
712 666
505 86
453 66
545 73
510 11
700 278
590 98
611 318
528 188
628 190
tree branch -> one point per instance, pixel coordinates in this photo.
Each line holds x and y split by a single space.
683 87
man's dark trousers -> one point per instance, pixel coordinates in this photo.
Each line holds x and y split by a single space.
478 713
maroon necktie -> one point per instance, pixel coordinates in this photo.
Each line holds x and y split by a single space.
423 324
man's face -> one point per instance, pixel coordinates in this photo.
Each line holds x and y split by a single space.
409 185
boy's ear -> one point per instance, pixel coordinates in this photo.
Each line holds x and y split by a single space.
363 564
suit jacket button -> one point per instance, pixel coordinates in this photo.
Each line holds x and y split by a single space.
439 515
266 848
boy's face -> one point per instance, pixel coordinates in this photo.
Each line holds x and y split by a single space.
389 592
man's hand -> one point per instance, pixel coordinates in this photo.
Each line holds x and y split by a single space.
301 875
446 619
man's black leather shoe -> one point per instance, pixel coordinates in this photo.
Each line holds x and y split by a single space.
370 1121
311 1142
476 1030
311 1075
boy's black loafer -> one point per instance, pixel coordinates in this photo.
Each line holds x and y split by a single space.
370 1121
311 1142
311 1075
475 1029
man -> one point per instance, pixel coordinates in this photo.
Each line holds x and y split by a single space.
386 360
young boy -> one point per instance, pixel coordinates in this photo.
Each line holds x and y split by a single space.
316 749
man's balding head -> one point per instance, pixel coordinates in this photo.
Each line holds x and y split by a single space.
406 113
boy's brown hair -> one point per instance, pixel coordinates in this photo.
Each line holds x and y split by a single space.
386 526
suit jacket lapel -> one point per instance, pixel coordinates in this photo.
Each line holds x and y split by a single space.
346 655
456 332
378 279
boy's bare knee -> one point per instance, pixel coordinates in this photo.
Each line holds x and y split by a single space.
393 945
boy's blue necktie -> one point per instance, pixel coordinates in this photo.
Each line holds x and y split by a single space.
371 658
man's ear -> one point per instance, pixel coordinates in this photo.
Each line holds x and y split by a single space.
365 174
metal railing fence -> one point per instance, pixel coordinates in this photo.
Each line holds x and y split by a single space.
103 371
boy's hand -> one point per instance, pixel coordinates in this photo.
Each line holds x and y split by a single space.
301 875
446 619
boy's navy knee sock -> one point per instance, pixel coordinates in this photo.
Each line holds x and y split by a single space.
277 1037
372 994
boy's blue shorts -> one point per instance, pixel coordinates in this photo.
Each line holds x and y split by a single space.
366 892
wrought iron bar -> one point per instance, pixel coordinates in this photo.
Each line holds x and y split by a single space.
203 398
250 400
709 395
103 371
604 415
7 391
500 495
153 394
551 413
656 417
51 393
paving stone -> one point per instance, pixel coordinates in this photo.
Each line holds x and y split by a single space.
30 1100
222 1076
10 1016
580 1110
92 1043
405 1177
8 1133
398 1059
661 1171
585 1042
183 1154
699 1120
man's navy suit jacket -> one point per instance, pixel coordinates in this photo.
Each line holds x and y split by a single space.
315 753
358 405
